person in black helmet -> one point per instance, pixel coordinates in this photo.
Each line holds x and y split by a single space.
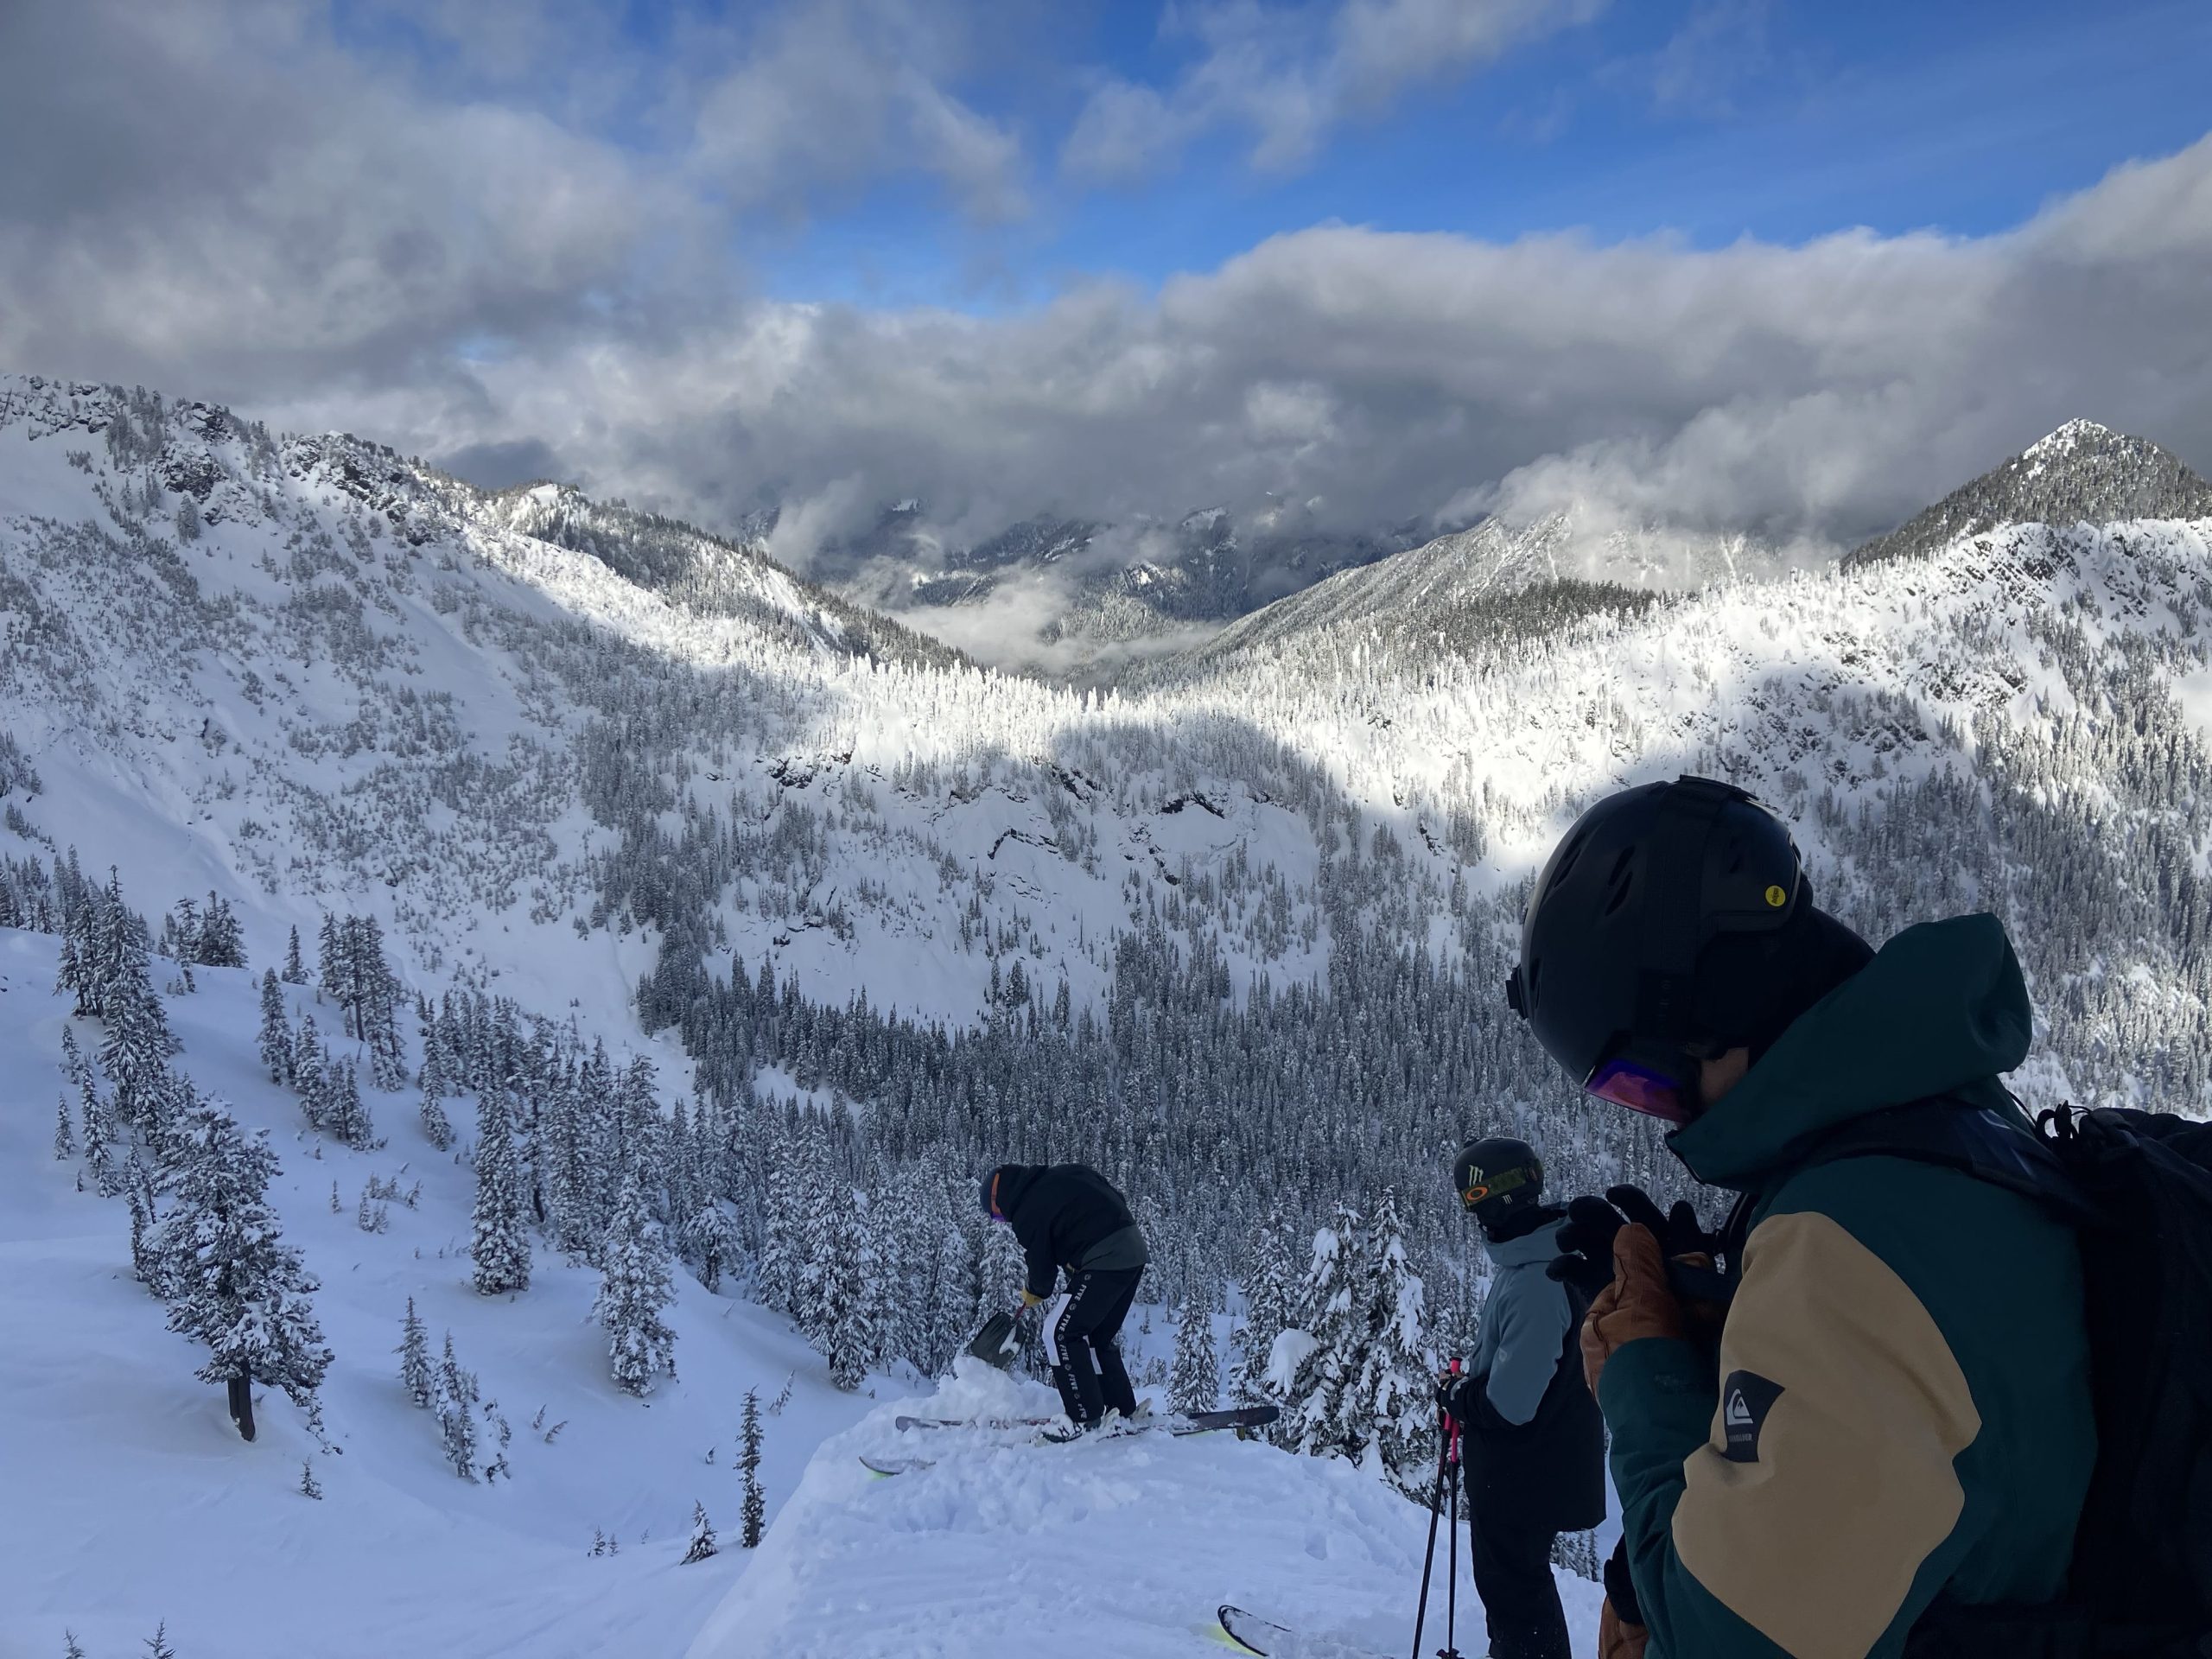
1070 1219
1878 1416
1533 1444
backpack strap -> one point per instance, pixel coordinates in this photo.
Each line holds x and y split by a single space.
1955 1134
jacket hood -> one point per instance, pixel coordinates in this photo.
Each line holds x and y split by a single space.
1013 1180
1542 1245
1943 1010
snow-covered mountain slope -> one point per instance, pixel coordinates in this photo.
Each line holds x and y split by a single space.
532 767
136 1501
1450 591
2082 473
1121 1547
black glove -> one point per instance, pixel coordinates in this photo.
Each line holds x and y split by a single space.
1588 1244
1620 1590
1448 1388
1677 1231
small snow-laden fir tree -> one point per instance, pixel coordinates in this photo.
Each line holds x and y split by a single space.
146 1263
783 1249
347 1115
702 1535
311 1073
1312 1361
437 1128
71 1647
415 1375
332 977
455 1406
157 1644
1269 1287
222 943
1194 1384
748 1463
571 1187
501 1238
230 1282
999 1278
65 1143
710 1240
295 971
308 1485
275 1031
635 1290
1390 1400
135 1052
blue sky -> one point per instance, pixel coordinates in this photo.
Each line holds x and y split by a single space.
1122 261
1711 122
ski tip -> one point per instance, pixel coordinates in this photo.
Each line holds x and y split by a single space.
885 1469
1221 1632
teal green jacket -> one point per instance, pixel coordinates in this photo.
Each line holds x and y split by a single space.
1901 1402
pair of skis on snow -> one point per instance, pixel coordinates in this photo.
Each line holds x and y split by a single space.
1056 1431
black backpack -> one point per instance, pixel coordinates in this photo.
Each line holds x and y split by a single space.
2138 1186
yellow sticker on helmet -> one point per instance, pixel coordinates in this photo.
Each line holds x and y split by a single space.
1776 898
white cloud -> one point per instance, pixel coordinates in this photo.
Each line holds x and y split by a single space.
245 212
1289 74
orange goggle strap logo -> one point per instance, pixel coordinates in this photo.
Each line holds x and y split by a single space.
994 1192
1483 1187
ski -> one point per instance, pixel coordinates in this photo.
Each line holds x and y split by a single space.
1055 1431
1197 1422
1248 1633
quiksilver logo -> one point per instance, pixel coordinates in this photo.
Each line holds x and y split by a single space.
1747 1398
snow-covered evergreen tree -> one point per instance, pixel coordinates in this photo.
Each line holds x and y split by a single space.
634 1288
1269 1284
310 1487
501 1237
231 1281
710 1240
456 1409
702 1535
1389 1396
1354 1371
347 1115
748 1463
65 1143
413 1351
275 1031
1194 1384
295 971
311 1073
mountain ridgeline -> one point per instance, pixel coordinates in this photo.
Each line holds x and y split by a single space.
1232 931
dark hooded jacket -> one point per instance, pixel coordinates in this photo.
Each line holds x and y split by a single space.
1067 1215
1901 1408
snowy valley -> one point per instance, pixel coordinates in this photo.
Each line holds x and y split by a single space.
692 875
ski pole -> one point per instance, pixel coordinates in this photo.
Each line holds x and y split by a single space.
1435 1509
1451 1578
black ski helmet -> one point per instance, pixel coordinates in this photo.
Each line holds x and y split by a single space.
1499 1177
1657 936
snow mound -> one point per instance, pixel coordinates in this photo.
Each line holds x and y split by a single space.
1122 1547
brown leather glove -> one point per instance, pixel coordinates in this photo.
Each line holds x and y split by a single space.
1617 1638
1637 1304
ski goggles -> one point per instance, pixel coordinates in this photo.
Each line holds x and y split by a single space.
1642 1089
1483 1188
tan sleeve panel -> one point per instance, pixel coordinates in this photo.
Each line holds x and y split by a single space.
1816 1542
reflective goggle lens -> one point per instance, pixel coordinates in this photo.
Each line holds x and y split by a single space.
1641 1089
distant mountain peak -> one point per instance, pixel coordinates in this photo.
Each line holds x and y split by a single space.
2075 435
2083 473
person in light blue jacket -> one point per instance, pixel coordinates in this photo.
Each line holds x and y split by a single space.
1534 1443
